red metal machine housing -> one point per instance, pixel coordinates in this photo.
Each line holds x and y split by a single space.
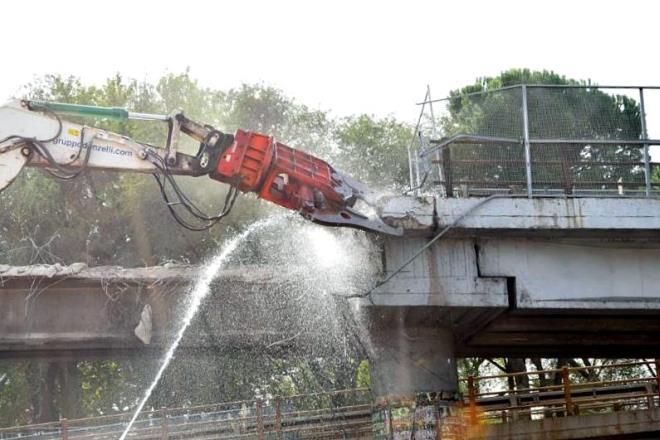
295 180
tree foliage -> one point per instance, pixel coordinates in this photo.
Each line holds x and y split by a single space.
374 150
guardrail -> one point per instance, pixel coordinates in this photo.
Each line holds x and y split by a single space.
572 394
531 395
337 414
538 140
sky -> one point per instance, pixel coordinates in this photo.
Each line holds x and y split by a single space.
347 57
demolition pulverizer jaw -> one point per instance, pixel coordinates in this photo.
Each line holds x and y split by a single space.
354 219
354 191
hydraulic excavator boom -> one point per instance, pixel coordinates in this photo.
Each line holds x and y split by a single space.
33 133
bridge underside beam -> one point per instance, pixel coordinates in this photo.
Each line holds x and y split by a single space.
566 334
82 318
51 311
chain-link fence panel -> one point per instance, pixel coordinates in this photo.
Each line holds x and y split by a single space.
467 164
586 113
581 140
583 113
494 113
652 111
568 168
466 169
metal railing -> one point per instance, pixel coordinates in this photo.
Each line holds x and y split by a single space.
501 398
337 414
538 140
564 392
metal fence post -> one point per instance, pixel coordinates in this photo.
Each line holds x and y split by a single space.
657 378
260 419
647 159
472 401
164 431
410 166
650 395
64 427
413 153
434 133
566 382
528 152
447 172
278 417
433 125
515 411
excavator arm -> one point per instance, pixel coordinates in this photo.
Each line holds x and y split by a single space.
34 133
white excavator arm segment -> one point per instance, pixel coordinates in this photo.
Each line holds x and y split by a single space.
71 146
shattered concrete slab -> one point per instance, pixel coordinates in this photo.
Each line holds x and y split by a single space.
42 270
413 214
82 271
167 272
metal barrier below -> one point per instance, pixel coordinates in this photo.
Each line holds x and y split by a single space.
562 392
496 399
338 414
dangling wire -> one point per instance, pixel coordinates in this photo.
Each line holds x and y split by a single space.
165 180
421 250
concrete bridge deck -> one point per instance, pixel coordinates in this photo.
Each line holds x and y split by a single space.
518 276
515 276
77 310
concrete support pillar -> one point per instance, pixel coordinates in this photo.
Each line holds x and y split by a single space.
42 377
70 391
414 378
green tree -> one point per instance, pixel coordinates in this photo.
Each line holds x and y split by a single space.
374 150
14 393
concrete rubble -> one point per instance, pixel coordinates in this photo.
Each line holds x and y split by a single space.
164 272
413 214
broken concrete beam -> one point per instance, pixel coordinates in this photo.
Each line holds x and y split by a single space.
414 214
167 272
